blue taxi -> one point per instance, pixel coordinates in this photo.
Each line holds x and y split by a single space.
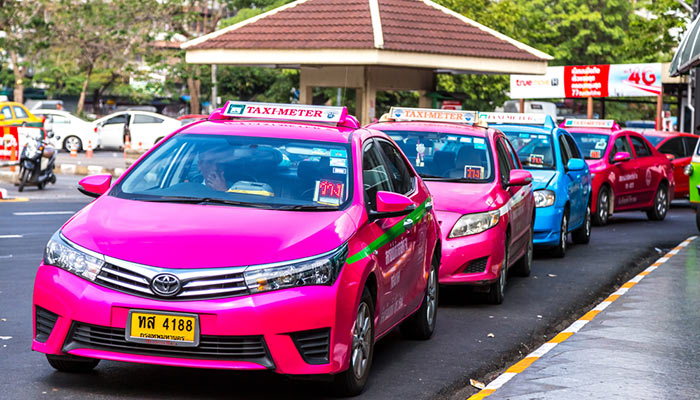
561 179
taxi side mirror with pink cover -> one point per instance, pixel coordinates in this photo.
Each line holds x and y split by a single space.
621 157
95 185
391 205
519 177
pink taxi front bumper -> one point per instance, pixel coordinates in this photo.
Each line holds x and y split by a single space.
247 332
474 259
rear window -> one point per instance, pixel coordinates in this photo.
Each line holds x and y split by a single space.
534 150
654 140
592 145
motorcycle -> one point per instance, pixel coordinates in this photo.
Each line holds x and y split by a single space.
31 170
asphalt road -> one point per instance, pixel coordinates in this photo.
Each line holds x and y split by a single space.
535 308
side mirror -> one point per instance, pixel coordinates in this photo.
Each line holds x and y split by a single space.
95 185
671 157
575 164
621 156
519 177
391 205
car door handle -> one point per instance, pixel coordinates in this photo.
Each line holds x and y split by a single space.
408 223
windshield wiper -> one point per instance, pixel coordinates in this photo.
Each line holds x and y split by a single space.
200 200
463 180
307 208
428 176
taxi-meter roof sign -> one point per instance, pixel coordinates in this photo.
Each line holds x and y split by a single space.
589 123
514 118
432 115
286 112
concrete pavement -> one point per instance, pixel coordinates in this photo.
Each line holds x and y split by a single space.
642 342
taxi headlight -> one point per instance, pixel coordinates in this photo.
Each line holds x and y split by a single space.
688 169
65 255
544 198
471 224
321 270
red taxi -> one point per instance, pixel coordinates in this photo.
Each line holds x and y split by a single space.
627 172
678 147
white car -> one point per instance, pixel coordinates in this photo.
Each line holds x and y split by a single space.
71 130
146 128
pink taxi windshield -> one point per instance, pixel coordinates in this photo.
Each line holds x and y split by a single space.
592 145
243 171
446 156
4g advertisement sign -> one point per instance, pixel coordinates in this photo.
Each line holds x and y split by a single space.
614 80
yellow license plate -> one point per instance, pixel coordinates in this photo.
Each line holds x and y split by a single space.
172 329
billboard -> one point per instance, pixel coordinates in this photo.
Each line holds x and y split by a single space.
613 80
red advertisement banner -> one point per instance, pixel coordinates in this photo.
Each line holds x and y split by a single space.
586 81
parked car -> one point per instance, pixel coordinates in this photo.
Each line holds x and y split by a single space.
483 197
678 147
186 119
70 130
44 104
145 128
16 114
289 245
628 173
562 181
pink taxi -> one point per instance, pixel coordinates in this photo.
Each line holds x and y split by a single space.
483 199
627 172
279 237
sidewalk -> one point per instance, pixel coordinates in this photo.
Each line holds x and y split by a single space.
642 342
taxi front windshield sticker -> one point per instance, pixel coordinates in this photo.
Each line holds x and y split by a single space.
320 152
479 143
465 140
595 154
339 162
342 171
537 159
600 145
328 192
339 153
473 172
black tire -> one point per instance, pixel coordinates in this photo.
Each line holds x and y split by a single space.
582 235
72 364
660 209
351 382
72 139
23 178
497 289
602 213
560 249
41 185
524 264
421 324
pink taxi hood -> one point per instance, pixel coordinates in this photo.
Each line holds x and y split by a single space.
462 198
203 236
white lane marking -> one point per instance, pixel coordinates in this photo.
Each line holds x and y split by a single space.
5 337
621 291
10 236
576 326
8 256
44 213
542 350
637 278
501 380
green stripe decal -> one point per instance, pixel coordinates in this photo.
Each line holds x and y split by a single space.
393 232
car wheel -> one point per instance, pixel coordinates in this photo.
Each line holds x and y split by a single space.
658 213
497 289
602 213
560 250
524 265
421 325
582 235
72 364
352 381
70 142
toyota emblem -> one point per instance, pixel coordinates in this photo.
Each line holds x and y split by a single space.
166 285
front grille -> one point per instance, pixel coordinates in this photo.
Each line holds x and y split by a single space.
224 348
476 266
45 321
209 283
313 346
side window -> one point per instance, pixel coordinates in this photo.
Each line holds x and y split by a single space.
512 153
6 112
564 149
399 173
59 119
504 161
573 147
621 144
673 146
19 112
640 148
374 175
690 143
146 119
119 119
